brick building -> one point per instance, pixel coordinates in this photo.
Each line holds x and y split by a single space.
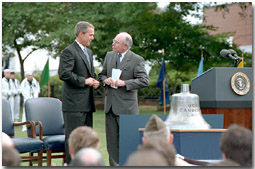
236 21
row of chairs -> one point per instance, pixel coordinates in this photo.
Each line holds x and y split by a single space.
45 130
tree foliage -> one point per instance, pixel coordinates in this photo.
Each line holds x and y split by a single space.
28 25
50 26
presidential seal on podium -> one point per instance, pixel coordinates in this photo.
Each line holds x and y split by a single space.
240 83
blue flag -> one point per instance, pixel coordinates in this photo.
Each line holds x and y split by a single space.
200 67
161 78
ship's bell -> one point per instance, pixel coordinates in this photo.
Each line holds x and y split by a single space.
185 111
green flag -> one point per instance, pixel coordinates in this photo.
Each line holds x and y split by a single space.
45 76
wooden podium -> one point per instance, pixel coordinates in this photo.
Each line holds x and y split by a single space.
217 95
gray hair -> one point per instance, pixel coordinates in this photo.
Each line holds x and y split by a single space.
82 26
236 144
163 133
88 157
147 157
127 40
10 156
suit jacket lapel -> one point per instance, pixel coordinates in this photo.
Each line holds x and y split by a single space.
125 60
114 59
83 57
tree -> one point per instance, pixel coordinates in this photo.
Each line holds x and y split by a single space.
182 41
50 26
28 26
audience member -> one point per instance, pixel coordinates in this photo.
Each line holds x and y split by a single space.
236 146
7 141
87 157
10 156
146 158
225 162
82 137
155 127
162 146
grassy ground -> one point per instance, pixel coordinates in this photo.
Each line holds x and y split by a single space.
99 127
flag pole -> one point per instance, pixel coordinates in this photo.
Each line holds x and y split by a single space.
164 88
49 89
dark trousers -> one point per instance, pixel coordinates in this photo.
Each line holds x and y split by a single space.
112 137
73 120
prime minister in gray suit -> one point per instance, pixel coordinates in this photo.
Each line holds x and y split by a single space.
122 100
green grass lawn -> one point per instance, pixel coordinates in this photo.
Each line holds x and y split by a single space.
99 127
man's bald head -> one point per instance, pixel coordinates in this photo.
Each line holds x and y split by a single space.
126 38
7 141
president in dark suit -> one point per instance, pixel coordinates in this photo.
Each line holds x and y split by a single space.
77 72
123 100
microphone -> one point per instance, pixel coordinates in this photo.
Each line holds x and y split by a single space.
226 54
233 53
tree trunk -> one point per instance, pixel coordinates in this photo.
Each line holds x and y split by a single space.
22 73
21 61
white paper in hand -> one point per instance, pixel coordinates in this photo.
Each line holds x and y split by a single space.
115 76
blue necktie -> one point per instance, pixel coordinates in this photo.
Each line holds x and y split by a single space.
87 56
118 61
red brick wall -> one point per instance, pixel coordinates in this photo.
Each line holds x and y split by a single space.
233 22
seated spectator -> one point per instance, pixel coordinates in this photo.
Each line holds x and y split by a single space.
162 146
10 156
236 146
146 158
87 157
7 141
156 127
225 162
82 137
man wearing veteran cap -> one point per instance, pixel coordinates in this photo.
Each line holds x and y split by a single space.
156 127
30 89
